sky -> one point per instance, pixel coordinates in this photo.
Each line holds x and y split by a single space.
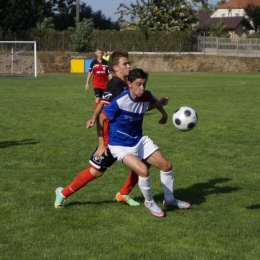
108 7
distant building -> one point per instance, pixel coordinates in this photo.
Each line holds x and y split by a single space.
237 26
233 8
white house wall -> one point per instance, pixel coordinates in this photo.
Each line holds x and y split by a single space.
226 13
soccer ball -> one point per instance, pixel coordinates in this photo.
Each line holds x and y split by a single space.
185 119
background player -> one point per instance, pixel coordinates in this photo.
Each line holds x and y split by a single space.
100 71
105 56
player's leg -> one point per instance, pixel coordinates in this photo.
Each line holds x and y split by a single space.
98 167
158 160
79 182
124 194
127 155
98 96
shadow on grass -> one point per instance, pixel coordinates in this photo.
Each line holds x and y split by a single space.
73 203
6 144
257 206
196 194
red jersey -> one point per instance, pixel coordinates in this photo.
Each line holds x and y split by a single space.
100 72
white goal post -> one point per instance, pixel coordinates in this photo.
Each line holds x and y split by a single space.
18 58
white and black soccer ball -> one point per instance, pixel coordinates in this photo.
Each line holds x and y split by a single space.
185 119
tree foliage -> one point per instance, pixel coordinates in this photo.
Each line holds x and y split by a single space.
17 15
160 15
81 38
219 3
253 12
46 24
220 30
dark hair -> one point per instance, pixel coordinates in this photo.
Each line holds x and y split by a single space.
137 74
114 58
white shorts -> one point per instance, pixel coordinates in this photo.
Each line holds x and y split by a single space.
142 150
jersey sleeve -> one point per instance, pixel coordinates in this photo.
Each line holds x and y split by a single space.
114 88
90 70
111 110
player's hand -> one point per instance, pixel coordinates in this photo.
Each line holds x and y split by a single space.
87 87
164 119
163 101
90 123
101 150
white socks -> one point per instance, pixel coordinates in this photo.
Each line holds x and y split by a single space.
145 187
167 182
168 185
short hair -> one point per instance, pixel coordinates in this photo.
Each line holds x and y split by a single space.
115 57
99 49
137 74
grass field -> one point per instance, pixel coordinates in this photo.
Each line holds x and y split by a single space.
44 144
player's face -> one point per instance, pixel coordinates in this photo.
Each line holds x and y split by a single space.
123 68
99 54
137 88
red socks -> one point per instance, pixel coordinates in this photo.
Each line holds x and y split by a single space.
80 181
131 181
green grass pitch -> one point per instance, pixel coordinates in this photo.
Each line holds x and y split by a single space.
44 144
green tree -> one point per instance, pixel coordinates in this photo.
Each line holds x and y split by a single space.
64 6
160 15
46 24
253 12
219 3
220 30
17 15
81 38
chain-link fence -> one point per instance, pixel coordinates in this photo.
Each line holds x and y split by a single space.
132 41
238 47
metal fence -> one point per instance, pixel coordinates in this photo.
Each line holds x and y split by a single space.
238 47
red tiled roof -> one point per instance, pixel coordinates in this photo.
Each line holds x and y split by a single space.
238 4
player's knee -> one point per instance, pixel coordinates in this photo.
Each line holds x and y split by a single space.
143 172
96 173
167 166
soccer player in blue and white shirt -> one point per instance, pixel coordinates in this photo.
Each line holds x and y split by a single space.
128 145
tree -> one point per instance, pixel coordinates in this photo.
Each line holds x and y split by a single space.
220 30
81 39
253 12
45 25
219 3
162 15
17 15
64 6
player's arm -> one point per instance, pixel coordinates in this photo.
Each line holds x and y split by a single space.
100 129
87 82
159 105
91 122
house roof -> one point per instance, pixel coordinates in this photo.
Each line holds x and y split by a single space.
203 17
230 22
238 4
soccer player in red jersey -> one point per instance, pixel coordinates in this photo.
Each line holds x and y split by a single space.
100 71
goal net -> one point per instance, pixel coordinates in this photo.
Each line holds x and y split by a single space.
18 58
